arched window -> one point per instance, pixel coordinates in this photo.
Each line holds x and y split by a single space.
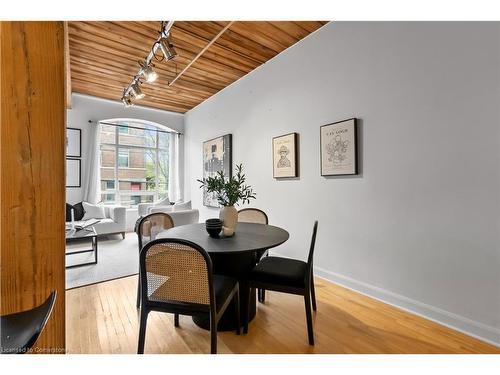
134 162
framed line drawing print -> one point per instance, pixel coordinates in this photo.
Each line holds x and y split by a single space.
73 142
285 156
217 156
338 143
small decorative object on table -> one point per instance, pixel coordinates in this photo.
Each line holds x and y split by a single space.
213 226
229 191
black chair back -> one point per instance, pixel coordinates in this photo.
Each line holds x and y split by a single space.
19 331
311 249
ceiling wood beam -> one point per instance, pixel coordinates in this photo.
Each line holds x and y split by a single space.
201 53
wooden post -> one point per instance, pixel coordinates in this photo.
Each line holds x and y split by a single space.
32 182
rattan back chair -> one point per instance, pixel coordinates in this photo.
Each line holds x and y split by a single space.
176 277
254 215
288 275
148 227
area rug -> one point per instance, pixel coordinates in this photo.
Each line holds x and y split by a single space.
117 258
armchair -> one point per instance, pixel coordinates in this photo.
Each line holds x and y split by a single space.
143 208
115 221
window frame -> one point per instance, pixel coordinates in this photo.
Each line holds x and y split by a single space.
117 146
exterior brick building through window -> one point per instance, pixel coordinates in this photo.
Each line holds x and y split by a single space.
134 163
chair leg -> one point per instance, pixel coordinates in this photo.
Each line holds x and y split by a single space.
123 235
138 304
307 302
176 320
313 294
142 330
213 334
247 315
237 308
262 295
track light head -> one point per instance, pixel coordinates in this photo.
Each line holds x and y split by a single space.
136 90
127 101
167 48
147 71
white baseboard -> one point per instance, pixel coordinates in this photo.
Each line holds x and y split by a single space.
470 327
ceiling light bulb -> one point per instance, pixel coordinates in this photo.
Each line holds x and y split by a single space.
167 48
148 73
136 90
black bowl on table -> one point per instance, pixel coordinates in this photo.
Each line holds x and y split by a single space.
213 227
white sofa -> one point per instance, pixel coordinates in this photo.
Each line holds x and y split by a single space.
114 223
180 217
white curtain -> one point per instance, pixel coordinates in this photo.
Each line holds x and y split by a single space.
92 181
174 191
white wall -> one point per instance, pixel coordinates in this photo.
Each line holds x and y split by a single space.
419 227
87 108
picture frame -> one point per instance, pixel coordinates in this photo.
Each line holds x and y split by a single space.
339 148
285 156
73 173
73 142
217 156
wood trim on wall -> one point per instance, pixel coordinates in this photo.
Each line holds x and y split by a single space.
67 67
32 158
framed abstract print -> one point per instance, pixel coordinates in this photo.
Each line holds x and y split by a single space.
217 156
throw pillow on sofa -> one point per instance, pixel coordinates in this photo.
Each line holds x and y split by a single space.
93 211
78 211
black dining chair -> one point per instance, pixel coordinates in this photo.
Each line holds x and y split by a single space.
147 228
288 276
177 278
21 330
255 215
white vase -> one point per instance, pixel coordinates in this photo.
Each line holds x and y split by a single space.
229 217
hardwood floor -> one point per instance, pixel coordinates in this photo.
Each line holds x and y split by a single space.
102 318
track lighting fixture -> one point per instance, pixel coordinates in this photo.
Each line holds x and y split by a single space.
167 48
163 42
135 89
147 71
127 101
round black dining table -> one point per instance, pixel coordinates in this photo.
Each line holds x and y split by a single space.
233 256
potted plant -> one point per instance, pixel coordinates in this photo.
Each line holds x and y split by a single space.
229 191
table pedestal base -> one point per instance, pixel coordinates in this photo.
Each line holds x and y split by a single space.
236 265
228 321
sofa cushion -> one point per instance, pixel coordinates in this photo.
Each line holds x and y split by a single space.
79 211
93 211
69 207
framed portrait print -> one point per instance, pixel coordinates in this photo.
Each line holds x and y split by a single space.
217 156
73 142
73 173
338 143
285 156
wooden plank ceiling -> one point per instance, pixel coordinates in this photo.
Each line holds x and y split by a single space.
104 57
